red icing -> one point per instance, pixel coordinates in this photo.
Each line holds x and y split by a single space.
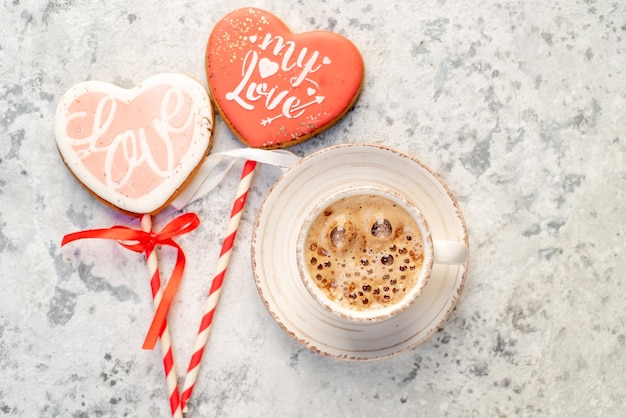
273 86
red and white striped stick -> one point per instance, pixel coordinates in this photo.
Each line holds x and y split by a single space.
166 343
216 285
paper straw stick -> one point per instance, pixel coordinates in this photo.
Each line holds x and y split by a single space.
216 285
165 340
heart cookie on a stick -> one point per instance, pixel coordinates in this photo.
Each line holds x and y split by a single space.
135 150
275 88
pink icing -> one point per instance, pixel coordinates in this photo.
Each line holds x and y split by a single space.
135 148
137 140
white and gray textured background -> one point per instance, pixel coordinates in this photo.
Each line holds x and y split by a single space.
520 106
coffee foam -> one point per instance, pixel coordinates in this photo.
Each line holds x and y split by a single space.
364 252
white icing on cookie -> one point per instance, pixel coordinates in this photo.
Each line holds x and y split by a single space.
135 148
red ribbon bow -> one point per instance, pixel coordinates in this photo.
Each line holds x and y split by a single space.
144 242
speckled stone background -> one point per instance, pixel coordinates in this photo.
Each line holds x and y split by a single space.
520 106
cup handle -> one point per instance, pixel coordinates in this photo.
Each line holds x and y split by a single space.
450 252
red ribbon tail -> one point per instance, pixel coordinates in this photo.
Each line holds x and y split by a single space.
142 241
160 316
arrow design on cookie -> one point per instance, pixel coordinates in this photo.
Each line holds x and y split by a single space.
317 100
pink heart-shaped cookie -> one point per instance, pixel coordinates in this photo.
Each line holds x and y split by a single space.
275 88
135 149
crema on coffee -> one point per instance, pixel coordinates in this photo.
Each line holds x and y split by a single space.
364 251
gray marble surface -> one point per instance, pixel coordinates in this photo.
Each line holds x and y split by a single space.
519 106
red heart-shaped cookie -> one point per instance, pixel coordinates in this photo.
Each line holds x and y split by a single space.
135 149
275 88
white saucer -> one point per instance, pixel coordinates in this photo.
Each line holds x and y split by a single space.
275 265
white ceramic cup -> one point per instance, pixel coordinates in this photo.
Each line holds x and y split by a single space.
356 292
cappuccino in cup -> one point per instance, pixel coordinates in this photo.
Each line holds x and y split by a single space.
364 252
